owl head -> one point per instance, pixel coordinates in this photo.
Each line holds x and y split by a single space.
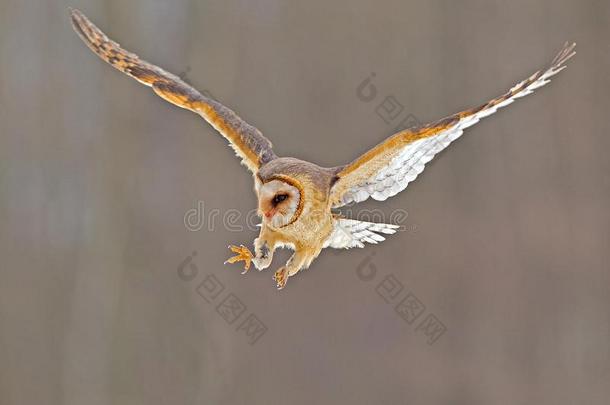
279 202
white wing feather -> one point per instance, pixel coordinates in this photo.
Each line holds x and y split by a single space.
412 158
349 233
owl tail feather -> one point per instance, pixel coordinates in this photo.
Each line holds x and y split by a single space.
349 233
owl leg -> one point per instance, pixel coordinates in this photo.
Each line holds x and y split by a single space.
263 253
292 267
242 254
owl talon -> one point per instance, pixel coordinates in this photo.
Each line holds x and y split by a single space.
243 254
281 277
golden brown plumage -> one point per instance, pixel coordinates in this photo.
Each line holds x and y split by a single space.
248 142
296 198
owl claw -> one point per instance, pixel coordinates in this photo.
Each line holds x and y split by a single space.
243 254
281 277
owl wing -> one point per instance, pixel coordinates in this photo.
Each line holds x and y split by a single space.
389 167
247 141
350 233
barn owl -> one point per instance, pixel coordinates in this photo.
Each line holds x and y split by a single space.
297 200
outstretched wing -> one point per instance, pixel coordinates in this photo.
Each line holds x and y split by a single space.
389 167
247 141
350 233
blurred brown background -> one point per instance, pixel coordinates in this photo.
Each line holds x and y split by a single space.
506 241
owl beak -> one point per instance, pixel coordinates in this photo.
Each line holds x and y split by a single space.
270 213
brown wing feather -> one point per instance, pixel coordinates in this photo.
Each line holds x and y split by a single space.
387 168
247 141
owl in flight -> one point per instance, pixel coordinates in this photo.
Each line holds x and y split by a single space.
296 198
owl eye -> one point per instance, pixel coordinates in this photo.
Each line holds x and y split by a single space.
279 198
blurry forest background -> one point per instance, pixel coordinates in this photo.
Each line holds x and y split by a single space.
505 245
